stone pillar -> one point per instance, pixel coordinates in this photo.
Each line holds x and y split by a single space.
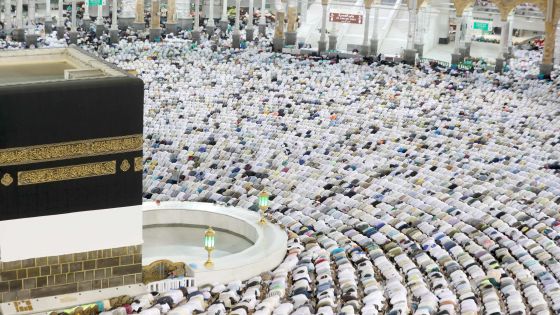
60 29
184 17
196 25
114 32
7 15
224 20
236 37
262 19
250 31
19 32
86 20
548 52
373 42
456 56
278 39
155 29
126 18
171 24
364 50
210 26
31 36
511 17
333 38
291 31
139 23
504 39
323 38
466 49
31 8
99 25
419 33
48 17
409 54
73 30
443 27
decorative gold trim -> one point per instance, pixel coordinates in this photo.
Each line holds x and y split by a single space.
125 165
138 164
162 269
56 174
23 306
70 150
7 180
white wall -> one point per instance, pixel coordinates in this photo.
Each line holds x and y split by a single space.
70 233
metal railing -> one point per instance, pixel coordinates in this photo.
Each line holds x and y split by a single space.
170 284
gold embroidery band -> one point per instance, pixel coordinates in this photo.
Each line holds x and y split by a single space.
56 174
70 150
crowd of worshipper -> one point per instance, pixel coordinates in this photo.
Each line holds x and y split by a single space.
404 190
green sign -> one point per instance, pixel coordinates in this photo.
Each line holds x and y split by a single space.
481 26
95 3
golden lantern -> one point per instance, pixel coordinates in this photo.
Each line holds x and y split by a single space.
209 245
263 205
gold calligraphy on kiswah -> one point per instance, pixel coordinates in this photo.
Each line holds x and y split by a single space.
56 174
70 150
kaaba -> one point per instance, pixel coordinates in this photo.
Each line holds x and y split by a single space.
70 134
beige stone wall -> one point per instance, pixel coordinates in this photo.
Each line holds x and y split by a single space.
55 275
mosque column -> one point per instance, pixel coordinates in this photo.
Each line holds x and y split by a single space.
504 39
114 32
139 23
333 37
323 38
60 28
364 50
511 17
155 29
86 19
409 54
278 40
419 33
250 31
196 25
374 41
262 19
456 55
236 37
48 17
31 36
31 9
171 23
466 49
19 32
99 25
501 60
8 15
547 63
224 21
73 34
291 31
184 17
126 17
211 25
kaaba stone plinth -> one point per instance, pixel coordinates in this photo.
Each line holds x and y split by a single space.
70 175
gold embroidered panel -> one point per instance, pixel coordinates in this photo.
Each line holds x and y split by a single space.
56 174
138 166
70 150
